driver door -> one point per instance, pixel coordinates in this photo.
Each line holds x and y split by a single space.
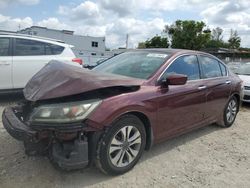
182 107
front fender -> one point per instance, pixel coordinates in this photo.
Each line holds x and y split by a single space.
109 110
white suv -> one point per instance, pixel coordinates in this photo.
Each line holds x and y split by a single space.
21 56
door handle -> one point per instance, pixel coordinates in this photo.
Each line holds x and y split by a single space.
202 87
228 82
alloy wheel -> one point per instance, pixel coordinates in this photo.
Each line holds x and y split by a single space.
231 111
125 146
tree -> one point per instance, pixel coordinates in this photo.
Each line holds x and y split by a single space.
216 44
217 34
141 45
216 40
155 42
234 40
188 34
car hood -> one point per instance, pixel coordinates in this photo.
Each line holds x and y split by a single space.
58 79
245 79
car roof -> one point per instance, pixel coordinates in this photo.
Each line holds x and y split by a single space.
32 37
170 51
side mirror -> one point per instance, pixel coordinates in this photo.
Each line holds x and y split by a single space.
175 79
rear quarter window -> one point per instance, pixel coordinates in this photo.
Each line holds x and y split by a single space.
52 49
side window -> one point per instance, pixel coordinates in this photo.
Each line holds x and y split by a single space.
29 47
210 67
223 69
52 49
4 46
187 65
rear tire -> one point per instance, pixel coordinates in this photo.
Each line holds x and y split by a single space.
121 146
230 111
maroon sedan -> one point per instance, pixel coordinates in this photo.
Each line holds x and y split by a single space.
111 114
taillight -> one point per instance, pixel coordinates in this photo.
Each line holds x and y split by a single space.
78 60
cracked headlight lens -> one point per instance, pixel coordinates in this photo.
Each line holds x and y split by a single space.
63 112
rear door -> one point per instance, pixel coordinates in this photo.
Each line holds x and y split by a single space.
5 63
217 83
29 57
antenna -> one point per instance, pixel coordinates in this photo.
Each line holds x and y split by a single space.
127 41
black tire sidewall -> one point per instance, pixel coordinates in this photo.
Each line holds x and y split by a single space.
104 144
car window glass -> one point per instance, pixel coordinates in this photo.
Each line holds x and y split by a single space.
223 69
187 65
29 47
4 46
210 67
133 64
52 49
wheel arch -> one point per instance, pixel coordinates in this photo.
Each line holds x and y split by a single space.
147 125
221 120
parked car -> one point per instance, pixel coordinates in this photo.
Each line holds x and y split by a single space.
91 66
21 56
233 65
111 114
243 72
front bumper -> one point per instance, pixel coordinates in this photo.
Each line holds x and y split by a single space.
15 127
246 95
66 154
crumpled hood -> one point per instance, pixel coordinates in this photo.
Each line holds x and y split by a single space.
59 79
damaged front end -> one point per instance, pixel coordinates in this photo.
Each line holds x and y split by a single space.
53 120
66 144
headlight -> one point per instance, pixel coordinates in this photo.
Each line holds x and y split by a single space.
64 112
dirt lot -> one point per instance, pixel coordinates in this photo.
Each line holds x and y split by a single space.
208 157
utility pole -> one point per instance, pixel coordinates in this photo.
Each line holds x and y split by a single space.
127 41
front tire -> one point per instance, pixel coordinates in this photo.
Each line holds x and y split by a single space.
231 111
121 146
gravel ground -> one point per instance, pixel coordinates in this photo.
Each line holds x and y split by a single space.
208 157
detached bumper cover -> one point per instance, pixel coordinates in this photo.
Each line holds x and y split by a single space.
15 127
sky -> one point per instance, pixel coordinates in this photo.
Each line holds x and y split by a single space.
140 19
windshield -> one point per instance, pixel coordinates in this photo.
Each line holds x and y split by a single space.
243 69
133 64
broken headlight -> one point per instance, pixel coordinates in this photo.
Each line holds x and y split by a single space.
63 112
